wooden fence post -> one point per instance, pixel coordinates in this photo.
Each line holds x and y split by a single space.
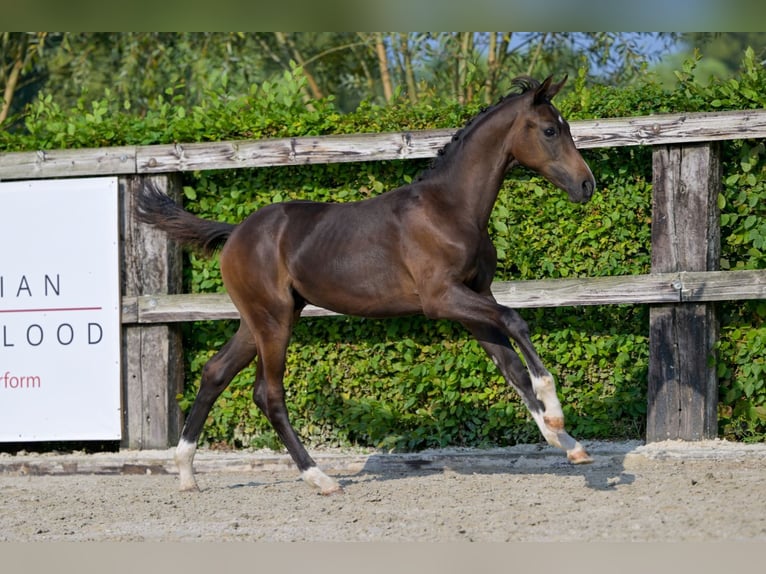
152 362
683 387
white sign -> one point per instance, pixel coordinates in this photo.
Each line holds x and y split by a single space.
59 310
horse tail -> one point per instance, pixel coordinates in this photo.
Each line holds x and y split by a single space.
156 208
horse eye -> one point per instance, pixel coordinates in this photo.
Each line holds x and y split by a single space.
550 132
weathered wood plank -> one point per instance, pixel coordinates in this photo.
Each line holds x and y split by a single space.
291 151
685 228
646 130
723 285
68 163
588 291
164 308
152 357
661 129
667 129
622 290
682 390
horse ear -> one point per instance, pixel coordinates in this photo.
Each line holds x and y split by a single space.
546 91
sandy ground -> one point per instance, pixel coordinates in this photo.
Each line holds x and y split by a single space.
710 491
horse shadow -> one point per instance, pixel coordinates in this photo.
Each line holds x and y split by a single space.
605 473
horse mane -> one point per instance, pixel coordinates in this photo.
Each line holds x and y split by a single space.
519 86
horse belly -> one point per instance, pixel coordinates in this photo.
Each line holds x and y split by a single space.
363 284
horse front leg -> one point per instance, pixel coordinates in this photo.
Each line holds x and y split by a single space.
535 385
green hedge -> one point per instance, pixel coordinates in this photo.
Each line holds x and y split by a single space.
411 383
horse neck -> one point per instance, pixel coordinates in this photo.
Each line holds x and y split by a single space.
474 170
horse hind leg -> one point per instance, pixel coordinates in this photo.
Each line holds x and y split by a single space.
217 373
269 396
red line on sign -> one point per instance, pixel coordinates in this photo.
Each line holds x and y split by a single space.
51 310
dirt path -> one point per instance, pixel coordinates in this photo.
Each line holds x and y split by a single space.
668 492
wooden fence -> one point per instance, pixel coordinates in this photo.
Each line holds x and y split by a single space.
682 288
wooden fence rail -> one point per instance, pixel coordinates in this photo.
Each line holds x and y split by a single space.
665 129
682 288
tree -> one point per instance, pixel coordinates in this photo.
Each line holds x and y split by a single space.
471 65
383 66
20 55
139 67
717 54
726 47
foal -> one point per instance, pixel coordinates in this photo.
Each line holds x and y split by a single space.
421 248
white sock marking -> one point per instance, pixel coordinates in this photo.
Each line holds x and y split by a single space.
184 457
545 391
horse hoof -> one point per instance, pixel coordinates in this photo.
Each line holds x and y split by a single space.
189 487
579 456
320 480
338 489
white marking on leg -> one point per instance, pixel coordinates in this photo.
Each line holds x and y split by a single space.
550 436
551 421
320 480
545 391
560 438
184 457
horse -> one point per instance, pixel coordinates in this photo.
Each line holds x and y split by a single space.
422 248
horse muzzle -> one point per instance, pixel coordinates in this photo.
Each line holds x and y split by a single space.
587 188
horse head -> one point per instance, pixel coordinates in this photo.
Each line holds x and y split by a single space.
540 140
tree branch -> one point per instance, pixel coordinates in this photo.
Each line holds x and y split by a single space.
10 88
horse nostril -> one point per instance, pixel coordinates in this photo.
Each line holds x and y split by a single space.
587 188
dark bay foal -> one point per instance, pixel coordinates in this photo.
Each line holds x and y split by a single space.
421 248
